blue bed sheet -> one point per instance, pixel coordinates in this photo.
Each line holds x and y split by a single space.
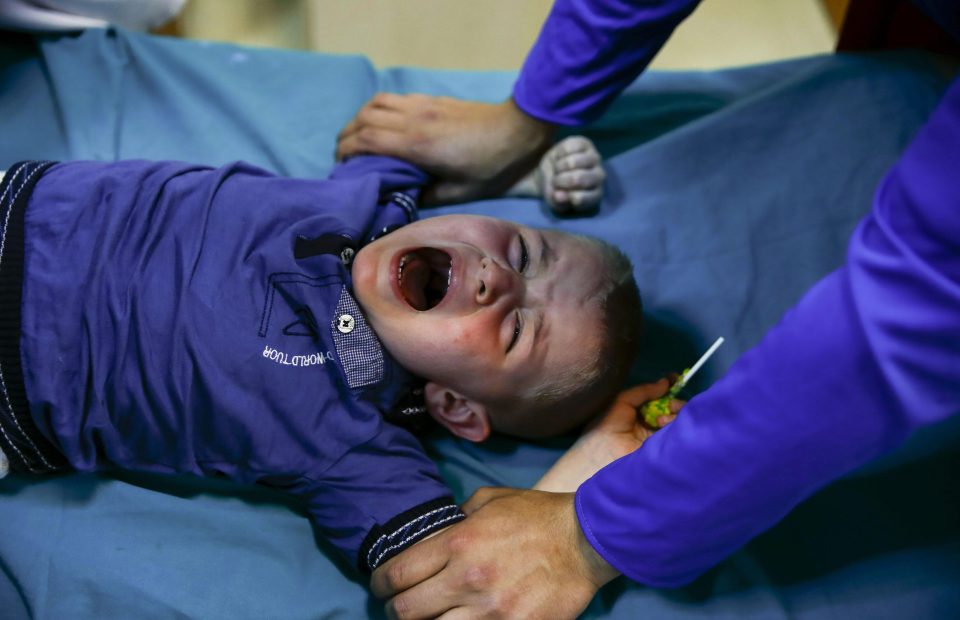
732 191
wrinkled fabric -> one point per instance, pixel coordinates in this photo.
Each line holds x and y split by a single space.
588 51
726 228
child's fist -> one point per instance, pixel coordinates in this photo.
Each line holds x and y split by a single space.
570 177
615 434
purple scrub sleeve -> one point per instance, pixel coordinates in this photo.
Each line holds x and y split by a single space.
866 357
590 50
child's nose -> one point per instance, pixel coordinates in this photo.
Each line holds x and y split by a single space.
494 282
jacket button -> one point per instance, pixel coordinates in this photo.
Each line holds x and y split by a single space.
345 324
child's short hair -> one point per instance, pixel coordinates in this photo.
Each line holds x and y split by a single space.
585 390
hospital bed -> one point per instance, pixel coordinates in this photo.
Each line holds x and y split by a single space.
732 191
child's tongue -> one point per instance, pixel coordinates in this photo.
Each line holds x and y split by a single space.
424 277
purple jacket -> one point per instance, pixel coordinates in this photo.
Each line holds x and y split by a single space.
183 319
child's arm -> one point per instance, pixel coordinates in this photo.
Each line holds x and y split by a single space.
615 434
569 178
394 174
381 497
618 432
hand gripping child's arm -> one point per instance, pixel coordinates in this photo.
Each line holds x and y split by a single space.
569 178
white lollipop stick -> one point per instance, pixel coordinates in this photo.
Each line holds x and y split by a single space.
682 381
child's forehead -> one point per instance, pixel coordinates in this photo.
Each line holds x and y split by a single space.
574 252
577 244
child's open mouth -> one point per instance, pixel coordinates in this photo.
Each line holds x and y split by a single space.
424 277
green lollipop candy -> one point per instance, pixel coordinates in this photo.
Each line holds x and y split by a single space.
654 409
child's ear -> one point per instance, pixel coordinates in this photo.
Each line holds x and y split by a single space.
462 417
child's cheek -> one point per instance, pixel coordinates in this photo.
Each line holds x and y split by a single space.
466 338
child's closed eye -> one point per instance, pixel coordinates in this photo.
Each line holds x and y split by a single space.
524 259
517 330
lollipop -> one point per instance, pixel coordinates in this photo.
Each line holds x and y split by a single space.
653 410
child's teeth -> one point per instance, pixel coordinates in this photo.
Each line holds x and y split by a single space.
403 261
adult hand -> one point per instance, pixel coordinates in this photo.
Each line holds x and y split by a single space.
476 150
615 434
519 554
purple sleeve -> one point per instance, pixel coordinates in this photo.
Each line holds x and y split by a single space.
382 497
394 174
866 357
590 50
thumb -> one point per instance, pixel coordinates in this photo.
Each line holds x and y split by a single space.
484 496
639 394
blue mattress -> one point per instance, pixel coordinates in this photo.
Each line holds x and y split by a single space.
732 191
